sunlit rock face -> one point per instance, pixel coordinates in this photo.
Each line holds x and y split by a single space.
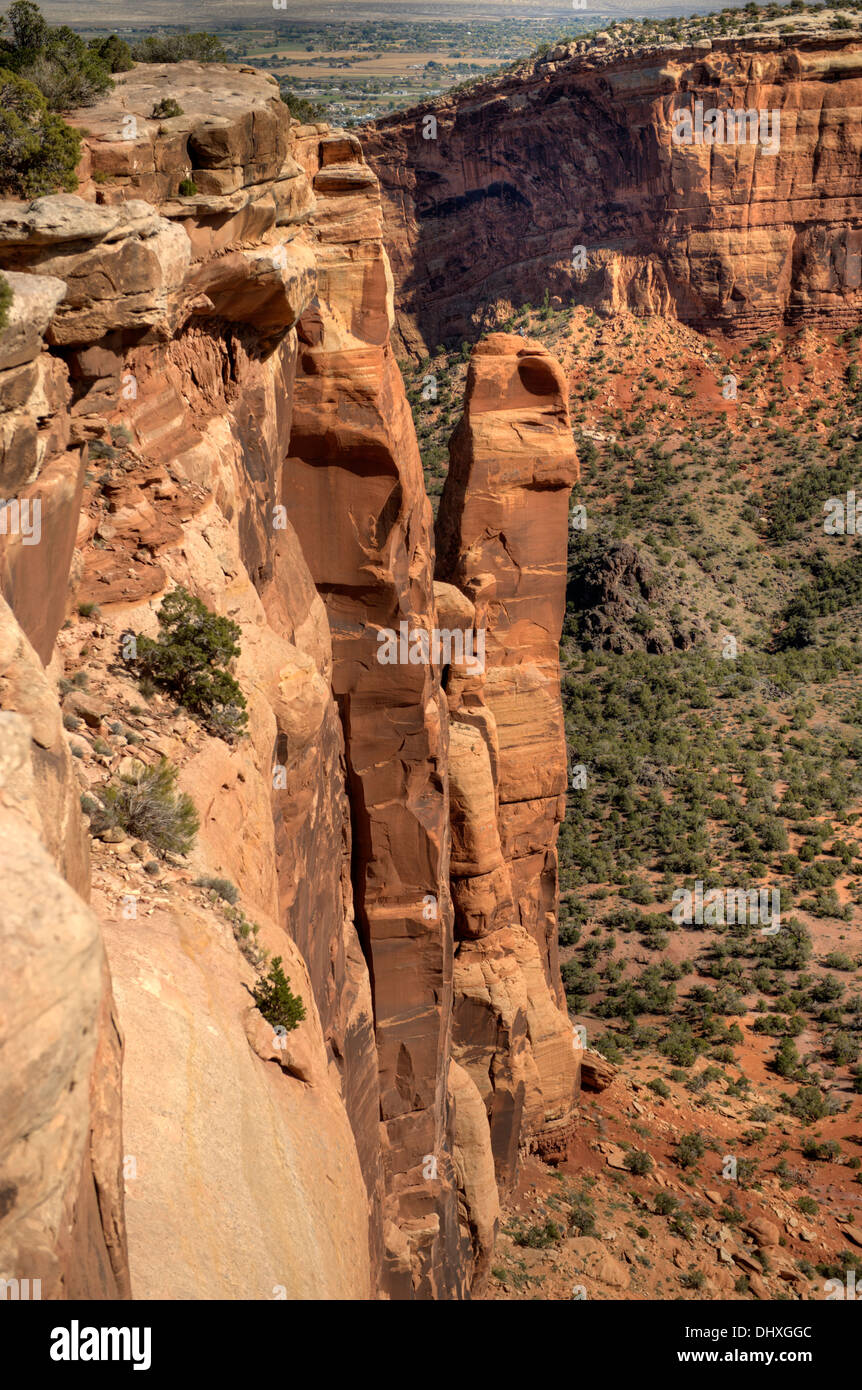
200 389
576 177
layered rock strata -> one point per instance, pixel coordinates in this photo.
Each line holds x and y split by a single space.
354 491
501 545
502 184
200 389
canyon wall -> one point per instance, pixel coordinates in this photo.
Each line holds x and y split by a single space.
494 187
354 491
200 390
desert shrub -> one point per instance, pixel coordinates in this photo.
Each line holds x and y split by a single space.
665 1203
146 804
38 151
843 1049
178 48
680 1046
659 1087
245 933
276 1000
188 188
681 1224
222 887
839 960
190 660
746 1170
582 1217
786 1061
540 1237
807 1205
569 933
762 1115
638 892
166 108
6 298
689 1148
638 1162
821 1153
808 1104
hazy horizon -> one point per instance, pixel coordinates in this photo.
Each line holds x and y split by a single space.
201 13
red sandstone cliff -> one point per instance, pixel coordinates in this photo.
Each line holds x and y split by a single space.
202 391
501 540
576 149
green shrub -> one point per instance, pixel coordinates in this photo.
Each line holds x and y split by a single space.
786 1061
245 934
681 1224
306 111
38 151
689 1148
147 805
821 1153
638 1162
276 1001
843 1049
166 108
540 1237
187 188
114 53
222 887
178 48
659 1087
839 960
6 297
582 1217
190 660
808 1104
67 71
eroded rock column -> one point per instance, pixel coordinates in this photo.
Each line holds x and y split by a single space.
355 494
501 545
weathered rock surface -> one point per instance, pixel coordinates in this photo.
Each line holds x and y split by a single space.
61 1195
246 1182
501 541
202 391
502 533
354 492
576 150
177 359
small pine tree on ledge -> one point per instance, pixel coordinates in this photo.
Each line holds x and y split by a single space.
190 660
276 1000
